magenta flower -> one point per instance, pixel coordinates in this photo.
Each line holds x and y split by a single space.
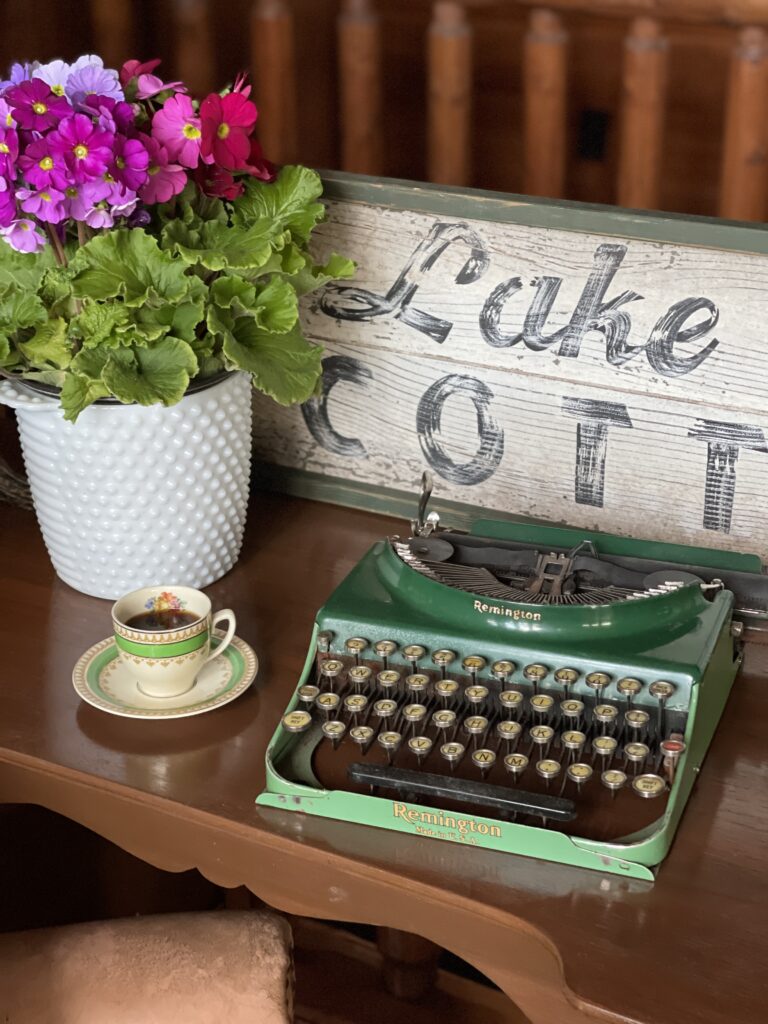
93 80
130 163
35 107
113 115
46 205
6 115
9 151
7 204
42 166
227 121
23 236
165 179
176 127
86 149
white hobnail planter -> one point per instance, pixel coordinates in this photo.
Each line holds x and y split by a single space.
130 496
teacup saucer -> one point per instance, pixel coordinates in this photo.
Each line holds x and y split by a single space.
102 679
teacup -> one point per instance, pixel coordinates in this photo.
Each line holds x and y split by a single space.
166 661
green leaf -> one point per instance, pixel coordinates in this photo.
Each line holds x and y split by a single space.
226 289
159 373
24 270
49 345
217 246
128 263
56 378
55 291
288 261
288 201
19 310
98 322
284 366
219 321
84 384
277 307
210 365
5 349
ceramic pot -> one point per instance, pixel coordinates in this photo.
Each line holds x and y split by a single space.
130 495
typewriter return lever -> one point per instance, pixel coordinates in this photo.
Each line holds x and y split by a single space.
424 524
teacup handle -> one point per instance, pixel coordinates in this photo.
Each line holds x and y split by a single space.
225 613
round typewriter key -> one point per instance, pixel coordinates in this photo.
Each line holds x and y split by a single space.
541 735
566 677
502 670
542 704
417 684
420 746
604 746
390 741
387 680
548 769
508 731
324 640
473 664
476 694
649 786
414 652
636 721
515 764
476 725
384 708
661 689
414 712
355 645
597 680
328 702
443 658
297 721
444 719
579 773
445 689
361 734
571 710
636 753
330 669
308 694
333 730
511 700
484 760
672 748
359 676
629 687
613 779
385 649
535 673
605 714
452 752
355 703
573 739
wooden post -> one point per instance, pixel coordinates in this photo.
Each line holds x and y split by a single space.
642 127
544 87
450 94
360 87
275 78
410 962
194 52
743 179
112 31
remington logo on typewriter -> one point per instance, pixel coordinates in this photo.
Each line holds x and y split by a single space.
438 819
518 614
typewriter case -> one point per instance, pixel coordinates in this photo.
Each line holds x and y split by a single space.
678 628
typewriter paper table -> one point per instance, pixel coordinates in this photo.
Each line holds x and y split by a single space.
566 944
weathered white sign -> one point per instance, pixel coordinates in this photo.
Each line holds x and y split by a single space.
600 380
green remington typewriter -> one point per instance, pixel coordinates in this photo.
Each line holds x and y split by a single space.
538 690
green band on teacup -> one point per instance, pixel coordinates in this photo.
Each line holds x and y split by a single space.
173 650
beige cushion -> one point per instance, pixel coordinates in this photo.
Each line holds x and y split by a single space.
233 967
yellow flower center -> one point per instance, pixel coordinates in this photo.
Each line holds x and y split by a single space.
71 192
223 130
153 169
108 177
190 131
80 151
39 108
24 226
8 120
4 147
120 162
45 196
46 164
57 90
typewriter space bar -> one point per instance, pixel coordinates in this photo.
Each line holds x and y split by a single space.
411 784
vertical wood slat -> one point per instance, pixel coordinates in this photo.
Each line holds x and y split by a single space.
360 74
113 31
544 87
273 54
450 94
194 57
745 143
644 88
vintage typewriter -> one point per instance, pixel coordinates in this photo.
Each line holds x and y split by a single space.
543 691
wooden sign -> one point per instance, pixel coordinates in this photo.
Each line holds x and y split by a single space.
586 366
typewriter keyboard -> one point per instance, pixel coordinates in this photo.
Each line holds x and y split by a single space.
588 753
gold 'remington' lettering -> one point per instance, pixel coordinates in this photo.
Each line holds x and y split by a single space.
462 825
518 614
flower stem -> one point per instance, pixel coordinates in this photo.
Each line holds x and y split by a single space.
83 234
58 248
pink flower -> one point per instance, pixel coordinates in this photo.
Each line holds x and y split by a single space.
23 236
258 166
86 149
165 179
176 127
227 121
42 166
35 106
130 163
151 85
133 68
46 205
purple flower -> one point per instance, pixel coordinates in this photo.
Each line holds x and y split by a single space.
6 115
114 115
80 199
46 205
165 179
35 107
42 165
7 204
55 74
86 149
122 200
23 236
9 151
140 218
93 80
19 73
100 216
130 163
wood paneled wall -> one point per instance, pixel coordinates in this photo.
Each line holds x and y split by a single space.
642 104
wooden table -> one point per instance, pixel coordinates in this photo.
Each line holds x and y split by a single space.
566 944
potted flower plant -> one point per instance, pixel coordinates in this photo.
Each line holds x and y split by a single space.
150 257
